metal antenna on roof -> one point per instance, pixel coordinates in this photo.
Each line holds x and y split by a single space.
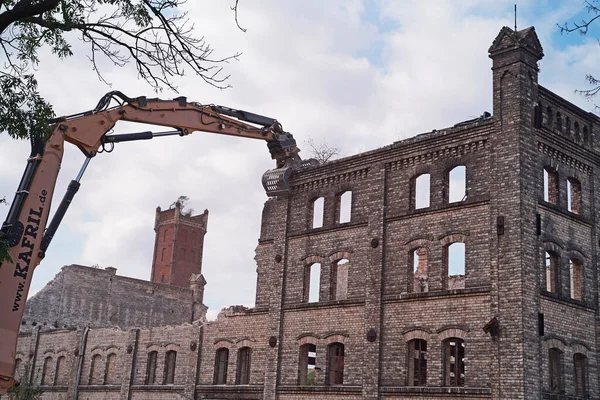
515 17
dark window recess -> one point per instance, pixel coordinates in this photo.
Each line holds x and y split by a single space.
307 364
151 368
538 224
335 364
242 376
417 362
221 360
500 225
454 362
170 360
555 359
537 116
541 324
580 364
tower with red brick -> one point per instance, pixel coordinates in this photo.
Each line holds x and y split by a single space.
178 246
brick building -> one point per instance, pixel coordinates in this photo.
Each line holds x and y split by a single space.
460 263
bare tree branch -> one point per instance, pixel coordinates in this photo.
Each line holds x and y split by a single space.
235 9
322 152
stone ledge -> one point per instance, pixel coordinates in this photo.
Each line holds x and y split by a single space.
230 388
464 391
324 304
557 396
319 389
99 388
447 207
327 229
566 300
557 210
442 293
58 388
158 387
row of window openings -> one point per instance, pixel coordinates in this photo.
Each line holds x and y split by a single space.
343 209
242 376
58 378
338 284
168 371
457 187
551 190
575 276
556 383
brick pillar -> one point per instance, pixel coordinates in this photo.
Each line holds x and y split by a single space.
273 256
128 358
375 247
515 364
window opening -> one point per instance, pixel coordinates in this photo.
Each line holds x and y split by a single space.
556 370
335 364
46 371
576 274
580 366
559 121
110 374
162 255
151 368
550 185
95 370
317 212
551 272
422 191
568 126
60 372
585 134
345 207
339 280
312 282
420 270
243 367
576 129
170 361
221 360
573 195
417 362
549 112
456 265
165 235
454 364
457 181
307 364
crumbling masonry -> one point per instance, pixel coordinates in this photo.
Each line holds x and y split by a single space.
459 263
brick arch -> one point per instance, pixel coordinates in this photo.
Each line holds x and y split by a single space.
307 339
97 350
416 333
152 347
48 352
224 343
456 237
552 246
576 254
335 338
456 332
340 255
113 349
313 259
555 343
172 346
245 343
419 242
580 348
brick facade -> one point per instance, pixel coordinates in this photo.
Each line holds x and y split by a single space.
485 325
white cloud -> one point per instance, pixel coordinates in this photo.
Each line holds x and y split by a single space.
304 63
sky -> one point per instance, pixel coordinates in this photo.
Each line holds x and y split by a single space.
358 74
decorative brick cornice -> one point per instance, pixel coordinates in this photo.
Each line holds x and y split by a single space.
564 158
331 180
434 155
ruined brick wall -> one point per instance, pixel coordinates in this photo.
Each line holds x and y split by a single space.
81 296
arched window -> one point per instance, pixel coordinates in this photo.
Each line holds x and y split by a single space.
312 282
47 371
555 360
242 376
420 267
339 280
221 361
165 235
580 364
335 364
110 373
550 185
550 116
568 126
151 368
60 373
421 191
162 254
318 208
576 129
454 362
585 134
417 362
96 370
169 371
551 272
573 195
345 207
576 275
455 265
559 122
307 364
457 184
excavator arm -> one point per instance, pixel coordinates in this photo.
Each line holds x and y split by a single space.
26 228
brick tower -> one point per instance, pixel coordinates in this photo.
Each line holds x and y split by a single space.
178 246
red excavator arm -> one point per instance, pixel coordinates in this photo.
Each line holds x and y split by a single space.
25 226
